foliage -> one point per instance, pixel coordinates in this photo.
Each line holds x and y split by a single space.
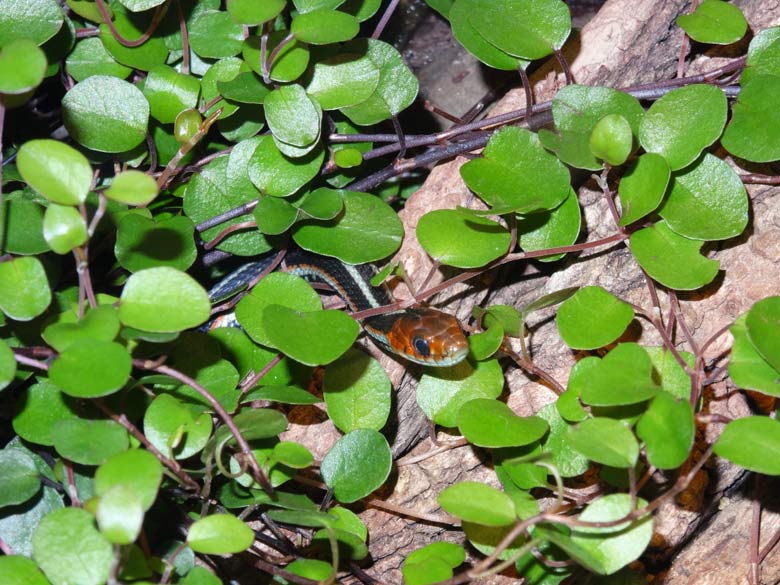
198 130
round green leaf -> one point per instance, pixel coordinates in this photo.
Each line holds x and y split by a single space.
35 20
751 442
92 117
357 392
551 229
747 367
366 231
671 259
169 92
479 503
42 406
556 445
304 6
324 26
347 158
465 33
763 329
163 300
292 116
137 470
186 125
119 515
133 188
100 323
456 238
753 131
606 441
274 215
140 5
343 80
214 34
19 570
667 428
69 549
283 395
706 202
24 224
19 477
219 534
683 123
275 174
7 365
57 171
356 465
515 173
593 318
492 424
611 139
90 368
223 70
292 455
486 343
63 228
288 65
673 378
623 377
762 55
433 562
311 569
714 21
22 67
24 288
642 188
245 87
312 338
443 391
90 57
132 26
252 12
89 442
145 243
174 429
610 549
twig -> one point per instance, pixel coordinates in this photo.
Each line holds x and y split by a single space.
158 16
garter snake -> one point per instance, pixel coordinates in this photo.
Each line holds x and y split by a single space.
419 334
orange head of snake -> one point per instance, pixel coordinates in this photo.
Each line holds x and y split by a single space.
427 336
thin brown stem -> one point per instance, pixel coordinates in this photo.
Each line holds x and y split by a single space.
236 227
158 16
380 27
564 66
185 39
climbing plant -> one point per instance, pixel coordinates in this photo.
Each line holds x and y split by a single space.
190 136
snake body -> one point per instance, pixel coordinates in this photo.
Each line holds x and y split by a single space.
419 334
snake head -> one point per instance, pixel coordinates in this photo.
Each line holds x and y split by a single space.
428 337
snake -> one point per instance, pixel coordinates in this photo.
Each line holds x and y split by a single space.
419 334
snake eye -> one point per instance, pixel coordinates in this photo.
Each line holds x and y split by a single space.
421 346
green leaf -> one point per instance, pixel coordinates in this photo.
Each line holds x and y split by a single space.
19 570
175 429
576 111
714 21
19 477
292 116
530 30
275 174
623 377
455 238
667 428
304 6
163 300
706 202
36 20
642 188
38 410
63 228
274 215
311 569
343 80
762 328
673 378
357 392
517 174
252 12
90 368
751 442
145 243
132 26
490 423
292 455
259 423
752 133
593 318
324 26
486 343
245 87
283 395
219 534
24 224
367 230
611 139
200 576
100 323
606 441
90 57
443 391
119 515
551 229
312 338
69 549
214 35
747 367
91 115
762 55
24 288
288 65
169 92
477 502
89 442
616 546
223 70
140 5
356 465
22 67
7 365
433 562
397 86
671 259
133 188
683 123
459 14
137 470
566 458
57 171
